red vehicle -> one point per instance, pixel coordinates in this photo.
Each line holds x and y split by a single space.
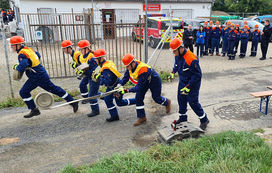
156 28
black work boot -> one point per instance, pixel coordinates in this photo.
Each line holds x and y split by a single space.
34 112
113 118
93 113
203 126
85 101
262 58
75 106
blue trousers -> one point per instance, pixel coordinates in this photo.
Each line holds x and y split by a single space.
236 46
110 105
225 46
254 47
155 87
231 45
243 47
94 87
200 49
46 84
124 102
83 87
206 46
192 99
215 44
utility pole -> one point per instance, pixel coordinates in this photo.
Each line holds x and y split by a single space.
146 35
6 56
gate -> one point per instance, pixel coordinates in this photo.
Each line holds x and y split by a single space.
45 31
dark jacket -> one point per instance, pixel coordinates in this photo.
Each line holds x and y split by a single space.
267 31
186 35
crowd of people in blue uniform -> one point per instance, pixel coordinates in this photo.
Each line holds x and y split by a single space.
7 15
209 37
142 75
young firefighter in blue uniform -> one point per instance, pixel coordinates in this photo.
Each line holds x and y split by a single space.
109 76
216 35
68 49
147 78
256 37
232 40
244 36
210 37
37 76
200 41
225 37
87 57
238 38
189 82
206 30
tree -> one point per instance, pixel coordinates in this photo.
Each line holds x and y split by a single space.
243 6
4 4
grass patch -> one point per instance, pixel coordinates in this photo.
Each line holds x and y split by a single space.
257 130
18 102
224 152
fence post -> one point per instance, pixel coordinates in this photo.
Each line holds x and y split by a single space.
61 37
102 31
6 56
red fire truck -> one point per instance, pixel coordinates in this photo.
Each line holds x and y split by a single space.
156 28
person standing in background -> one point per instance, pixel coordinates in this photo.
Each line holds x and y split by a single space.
200 41
188 37
265 38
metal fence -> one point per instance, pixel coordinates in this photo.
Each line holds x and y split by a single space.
55 27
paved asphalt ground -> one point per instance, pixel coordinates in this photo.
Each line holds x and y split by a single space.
58 137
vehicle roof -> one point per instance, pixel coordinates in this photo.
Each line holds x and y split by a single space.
265 16
163 18
193 19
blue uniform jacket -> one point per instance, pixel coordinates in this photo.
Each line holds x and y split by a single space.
143 79
225 33
36 72
208 31
238 35
232 35
216 32
109 79
200 40
92 66
244 36
189 74
256 35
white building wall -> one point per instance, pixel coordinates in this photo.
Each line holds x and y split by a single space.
198 9
29 6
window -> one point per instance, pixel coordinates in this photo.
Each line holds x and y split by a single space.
176 25
154 24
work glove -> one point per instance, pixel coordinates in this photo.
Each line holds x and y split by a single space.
184 91
73 65
171 77
14 66
79 72
123 91
96 76
118 86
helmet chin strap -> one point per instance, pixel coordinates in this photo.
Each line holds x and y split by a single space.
179 51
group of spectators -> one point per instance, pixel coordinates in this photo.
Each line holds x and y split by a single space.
7 15
208 39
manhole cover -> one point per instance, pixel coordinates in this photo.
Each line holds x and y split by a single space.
240 111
